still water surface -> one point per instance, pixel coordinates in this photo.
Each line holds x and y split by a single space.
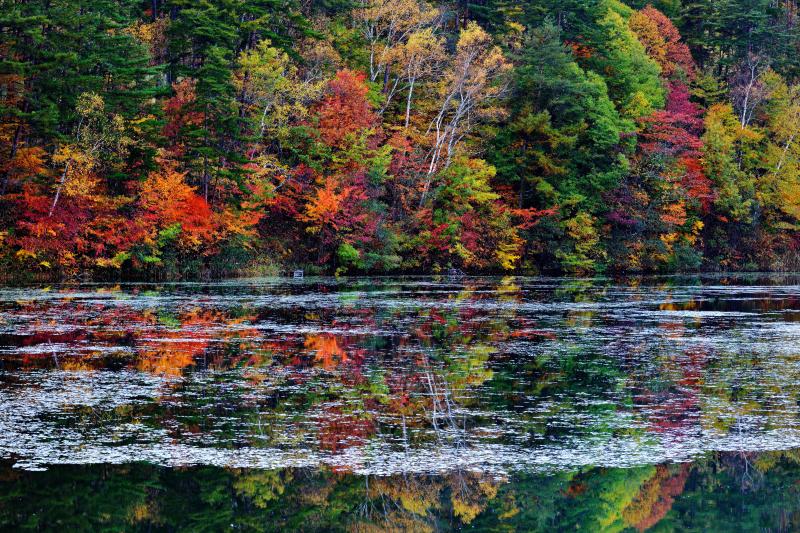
402 404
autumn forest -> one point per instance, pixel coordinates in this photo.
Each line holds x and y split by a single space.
174 139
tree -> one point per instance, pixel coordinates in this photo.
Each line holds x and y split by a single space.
345 110
272 94
387 25
421 57
172 210
474 79
662 42
727 156
564 129
633 78
778 186
748 88
99 139
657 212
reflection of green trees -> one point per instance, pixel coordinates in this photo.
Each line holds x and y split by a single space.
594 500
740 492
723 492
262 486
720 493
551 385
99 498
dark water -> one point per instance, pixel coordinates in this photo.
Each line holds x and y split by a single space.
419 404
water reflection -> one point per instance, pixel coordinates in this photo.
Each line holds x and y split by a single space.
721 492
402 394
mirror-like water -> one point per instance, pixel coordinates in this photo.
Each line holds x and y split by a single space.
518 402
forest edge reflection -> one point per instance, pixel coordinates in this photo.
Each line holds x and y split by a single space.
336 370
722 492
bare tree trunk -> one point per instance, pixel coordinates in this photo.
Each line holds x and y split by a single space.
746 103
58 189
64 174
408 101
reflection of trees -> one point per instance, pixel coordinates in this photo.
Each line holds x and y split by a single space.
671 402
398 503
423 503
261 487
436 373
709 494
656 497
328 353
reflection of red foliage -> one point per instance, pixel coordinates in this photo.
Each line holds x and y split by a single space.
533 334
77 335
331 351
693 367
576 489
673 409
339 431
671 487
669 411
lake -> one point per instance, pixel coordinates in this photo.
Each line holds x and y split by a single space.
418 404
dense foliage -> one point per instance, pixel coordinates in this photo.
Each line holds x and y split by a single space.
722 492
175 138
